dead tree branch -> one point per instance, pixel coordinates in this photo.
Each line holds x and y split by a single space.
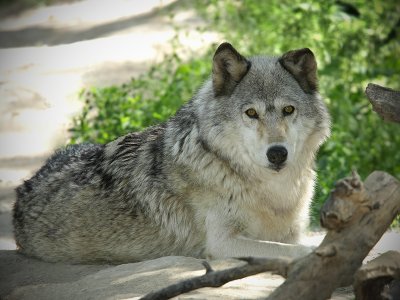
357 215
218 278
385 102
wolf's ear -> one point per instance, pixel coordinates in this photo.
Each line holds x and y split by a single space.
229 67
303 66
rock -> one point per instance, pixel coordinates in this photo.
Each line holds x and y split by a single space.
27 278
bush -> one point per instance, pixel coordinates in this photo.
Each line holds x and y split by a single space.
152 98
354 44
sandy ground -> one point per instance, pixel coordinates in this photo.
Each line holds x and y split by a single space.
48 54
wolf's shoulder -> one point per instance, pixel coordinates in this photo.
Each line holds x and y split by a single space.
127 146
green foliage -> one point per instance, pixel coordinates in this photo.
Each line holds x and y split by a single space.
152 98
351 51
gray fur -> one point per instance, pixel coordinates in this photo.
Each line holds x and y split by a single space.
195 185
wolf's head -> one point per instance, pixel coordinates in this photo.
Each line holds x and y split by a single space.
263 111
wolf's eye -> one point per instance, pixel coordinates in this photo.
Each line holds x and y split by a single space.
288 110
252 113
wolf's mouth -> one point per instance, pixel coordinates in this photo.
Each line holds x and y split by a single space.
276 167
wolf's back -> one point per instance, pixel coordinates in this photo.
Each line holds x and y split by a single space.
61 160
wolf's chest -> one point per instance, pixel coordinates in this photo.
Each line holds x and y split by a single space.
276 210
270 225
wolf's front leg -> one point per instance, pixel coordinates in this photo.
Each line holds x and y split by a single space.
222 241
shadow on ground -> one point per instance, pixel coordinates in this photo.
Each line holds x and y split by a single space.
42 35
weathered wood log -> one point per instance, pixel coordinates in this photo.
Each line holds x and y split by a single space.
356 215
385 101
379 278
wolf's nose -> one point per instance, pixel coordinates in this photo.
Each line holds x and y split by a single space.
277 154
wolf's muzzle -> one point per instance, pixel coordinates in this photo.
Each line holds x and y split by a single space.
277 155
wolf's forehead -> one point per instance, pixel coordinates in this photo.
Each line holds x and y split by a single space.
268 80
263 62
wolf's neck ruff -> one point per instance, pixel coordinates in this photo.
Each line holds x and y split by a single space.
231 174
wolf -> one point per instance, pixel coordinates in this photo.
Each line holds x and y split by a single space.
230 174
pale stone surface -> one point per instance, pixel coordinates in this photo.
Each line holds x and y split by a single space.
24 278
27 278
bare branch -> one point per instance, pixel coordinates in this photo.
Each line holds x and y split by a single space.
279 266
207 266
218 278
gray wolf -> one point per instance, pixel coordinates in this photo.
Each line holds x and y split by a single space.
230 174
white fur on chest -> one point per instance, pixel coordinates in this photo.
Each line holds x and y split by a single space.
277 208
274 208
